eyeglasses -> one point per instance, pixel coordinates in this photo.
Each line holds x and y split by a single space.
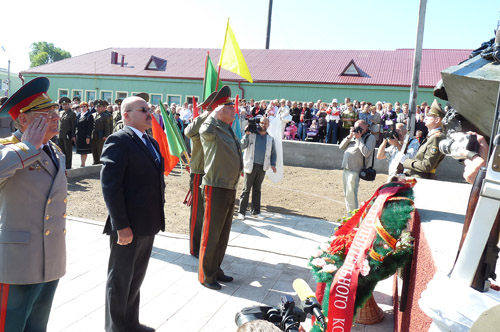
49 114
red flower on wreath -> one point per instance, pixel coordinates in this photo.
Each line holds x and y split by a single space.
341 242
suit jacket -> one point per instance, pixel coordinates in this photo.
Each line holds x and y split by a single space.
133 185
32 213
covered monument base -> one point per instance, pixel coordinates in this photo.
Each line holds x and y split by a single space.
441 207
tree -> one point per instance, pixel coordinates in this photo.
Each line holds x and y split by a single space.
43 52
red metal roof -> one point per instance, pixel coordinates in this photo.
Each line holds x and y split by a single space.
380 67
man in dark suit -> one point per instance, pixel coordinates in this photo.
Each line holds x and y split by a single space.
134 190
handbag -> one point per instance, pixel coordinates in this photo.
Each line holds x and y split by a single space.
368 173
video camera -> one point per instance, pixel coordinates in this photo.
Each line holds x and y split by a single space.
286 315
455 140
253 125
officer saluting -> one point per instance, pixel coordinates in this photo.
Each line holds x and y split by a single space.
67 130
428 156
32 250
103 127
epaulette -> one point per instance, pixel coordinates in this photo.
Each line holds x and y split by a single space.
54 145
9 140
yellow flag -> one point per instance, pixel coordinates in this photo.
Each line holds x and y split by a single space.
231 57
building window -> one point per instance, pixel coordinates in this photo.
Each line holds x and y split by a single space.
62 93
173 99
107 96
121 95
155 99
77 93
90 95
190 100
156 63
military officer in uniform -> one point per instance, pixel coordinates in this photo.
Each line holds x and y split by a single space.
223 164
428 156
196 176
67 130
32 240
103 127
117 115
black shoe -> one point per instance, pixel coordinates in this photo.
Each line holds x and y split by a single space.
141 328
225 278
212 285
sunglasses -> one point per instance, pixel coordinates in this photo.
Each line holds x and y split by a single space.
142 109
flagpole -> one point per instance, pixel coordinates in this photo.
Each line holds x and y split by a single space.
205 77
221 54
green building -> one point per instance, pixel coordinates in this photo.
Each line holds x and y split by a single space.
176 75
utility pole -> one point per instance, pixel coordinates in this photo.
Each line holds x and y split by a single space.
417 59
269 15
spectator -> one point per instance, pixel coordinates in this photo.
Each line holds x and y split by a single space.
321 114
349 117
305 116
84 128
6 123
359 146
295 112
259 155
67 124
403 116
333 123
284 113
375 126
396 143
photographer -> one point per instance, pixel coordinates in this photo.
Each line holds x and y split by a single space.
359 144
259 155
428 156
474 161
395 139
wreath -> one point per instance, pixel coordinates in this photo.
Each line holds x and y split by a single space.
391 249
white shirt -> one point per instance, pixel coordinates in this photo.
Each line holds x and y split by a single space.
140 134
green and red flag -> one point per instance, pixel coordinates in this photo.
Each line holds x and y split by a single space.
160 136
210 80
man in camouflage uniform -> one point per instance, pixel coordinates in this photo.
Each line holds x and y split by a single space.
67 125
428 156
103 127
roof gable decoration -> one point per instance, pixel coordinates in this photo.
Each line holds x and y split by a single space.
157 64
352 70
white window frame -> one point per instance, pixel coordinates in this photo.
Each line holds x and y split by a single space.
117 92
73 93
95 93
168 101
104 91
155 94
59 96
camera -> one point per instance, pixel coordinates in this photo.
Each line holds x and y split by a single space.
358 130
253 125
285 316
391 134
456 140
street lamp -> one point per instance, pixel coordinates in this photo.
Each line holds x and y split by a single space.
8 73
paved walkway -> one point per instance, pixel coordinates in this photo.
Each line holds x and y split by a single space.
264 256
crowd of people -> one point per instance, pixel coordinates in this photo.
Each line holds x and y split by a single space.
331 122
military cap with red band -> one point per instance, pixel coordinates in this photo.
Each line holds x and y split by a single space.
30 97
223 97
208 101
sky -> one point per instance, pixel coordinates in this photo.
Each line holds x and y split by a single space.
80 27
